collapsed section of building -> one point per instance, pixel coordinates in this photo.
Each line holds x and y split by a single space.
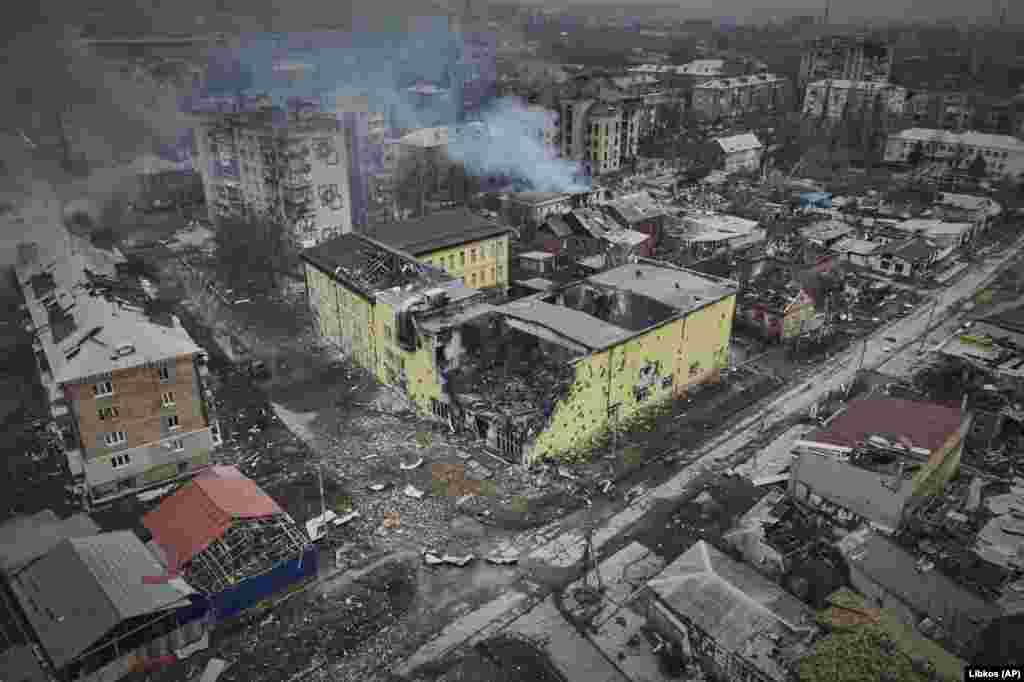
540 377
230 540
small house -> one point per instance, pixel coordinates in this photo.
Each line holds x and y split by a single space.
737 623
910 258
738 153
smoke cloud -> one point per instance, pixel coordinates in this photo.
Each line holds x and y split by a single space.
510 143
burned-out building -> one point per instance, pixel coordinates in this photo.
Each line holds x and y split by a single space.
229 540
878 458
540 376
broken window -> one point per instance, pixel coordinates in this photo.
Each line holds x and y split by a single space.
441 410
510 442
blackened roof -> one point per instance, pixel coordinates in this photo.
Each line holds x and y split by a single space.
438 231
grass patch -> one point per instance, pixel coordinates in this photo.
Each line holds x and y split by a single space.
424 439
488 489
632 457
439 487
340 502
520 504
983 297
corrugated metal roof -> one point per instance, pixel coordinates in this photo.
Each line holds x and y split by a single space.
925 425
25 538
200 512
84 587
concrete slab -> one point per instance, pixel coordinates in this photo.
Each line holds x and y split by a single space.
575 656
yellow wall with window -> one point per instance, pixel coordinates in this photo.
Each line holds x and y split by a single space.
636 375
480 264
344 317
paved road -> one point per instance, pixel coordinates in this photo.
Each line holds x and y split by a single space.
934 320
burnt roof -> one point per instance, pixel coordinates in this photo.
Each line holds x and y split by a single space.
439 230
365 265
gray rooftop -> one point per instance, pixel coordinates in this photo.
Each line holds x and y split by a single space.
84 587
573 325
681 289
25 538
443 229
744 612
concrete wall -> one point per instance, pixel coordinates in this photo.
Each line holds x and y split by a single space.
150 447
344 317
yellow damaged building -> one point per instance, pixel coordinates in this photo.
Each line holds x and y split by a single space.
458 241
538 377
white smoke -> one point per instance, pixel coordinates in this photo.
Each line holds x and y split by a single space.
512 145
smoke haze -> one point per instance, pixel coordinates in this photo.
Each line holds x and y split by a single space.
510 144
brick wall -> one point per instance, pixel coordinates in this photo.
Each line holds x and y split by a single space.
137 399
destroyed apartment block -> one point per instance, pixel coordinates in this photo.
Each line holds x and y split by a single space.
126 383
229 540
878 459
539 377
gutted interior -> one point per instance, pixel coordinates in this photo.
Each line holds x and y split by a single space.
499 382
622 308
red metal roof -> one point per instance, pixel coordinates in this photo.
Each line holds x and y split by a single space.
200 512
926 425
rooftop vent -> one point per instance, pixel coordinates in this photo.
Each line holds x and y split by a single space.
639 274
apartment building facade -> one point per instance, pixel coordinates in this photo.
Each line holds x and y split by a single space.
603 135
1003 154
855 58
289 163
727 98
835 101
459 242
127 387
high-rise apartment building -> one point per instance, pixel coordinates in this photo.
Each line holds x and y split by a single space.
291 163
603 134
834 101
725 98
854 58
